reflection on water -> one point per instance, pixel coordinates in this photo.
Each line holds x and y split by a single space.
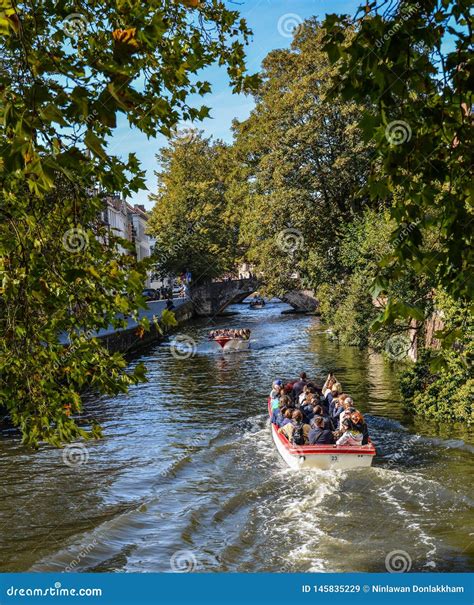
188 464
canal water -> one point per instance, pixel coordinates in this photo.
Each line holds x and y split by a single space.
187 476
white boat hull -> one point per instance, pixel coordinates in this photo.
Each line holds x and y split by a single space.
237 345
330 457
324 457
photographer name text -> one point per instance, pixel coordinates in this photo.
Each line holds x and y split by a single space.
374 588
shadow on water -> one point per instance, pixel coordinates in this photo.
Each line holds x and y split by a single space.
187 475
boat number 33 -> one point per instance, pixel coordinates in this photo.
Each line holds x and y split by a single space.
334 458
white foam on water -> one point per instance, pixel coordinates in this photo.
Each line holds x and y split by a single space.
411 487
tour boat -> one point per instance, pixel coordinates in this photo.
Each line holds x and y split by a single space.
324 457
259 303
231 343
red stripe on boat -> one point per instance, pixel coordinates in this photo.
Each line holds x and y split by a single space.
222 340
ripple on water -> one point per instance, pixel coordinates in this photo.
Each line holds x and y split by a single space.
188 464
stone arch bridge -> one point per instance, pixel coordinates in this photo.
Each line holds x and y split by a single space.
212 298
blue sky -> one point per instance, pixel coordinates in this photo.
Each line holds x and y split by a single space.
271 22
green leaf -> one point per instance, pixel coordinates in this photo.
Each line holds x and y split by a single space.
95 145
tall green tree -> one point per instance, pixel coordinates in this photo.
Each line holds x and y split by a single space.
67 71
192 221
413 63
306 164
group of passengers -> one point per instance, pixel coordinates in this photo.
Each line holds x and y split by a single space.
309 415
242 334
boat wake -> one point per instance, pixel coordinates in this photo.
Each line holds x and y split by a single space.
278 519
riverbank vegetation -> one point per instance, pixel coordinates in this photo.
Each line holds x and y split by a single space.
352 179
69 74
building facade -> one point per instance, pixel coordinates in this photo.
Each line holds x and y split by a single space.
129 223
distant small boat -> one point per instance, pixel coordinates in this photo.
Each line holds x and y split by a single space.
257 303
325 457
231 340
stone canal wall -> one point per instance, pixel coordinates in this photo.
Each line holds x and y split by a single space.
130 340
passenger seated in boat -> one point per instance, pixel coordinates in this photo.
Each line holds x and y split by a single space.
334 393
285 401
361 426
348 409
321 401
309 403
288 390
317 389
276 389
299 385
309 388
302 396
307 407
330 385
278 413
335 410
296 430
319 435
350 434
319 411
275 402
286 416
